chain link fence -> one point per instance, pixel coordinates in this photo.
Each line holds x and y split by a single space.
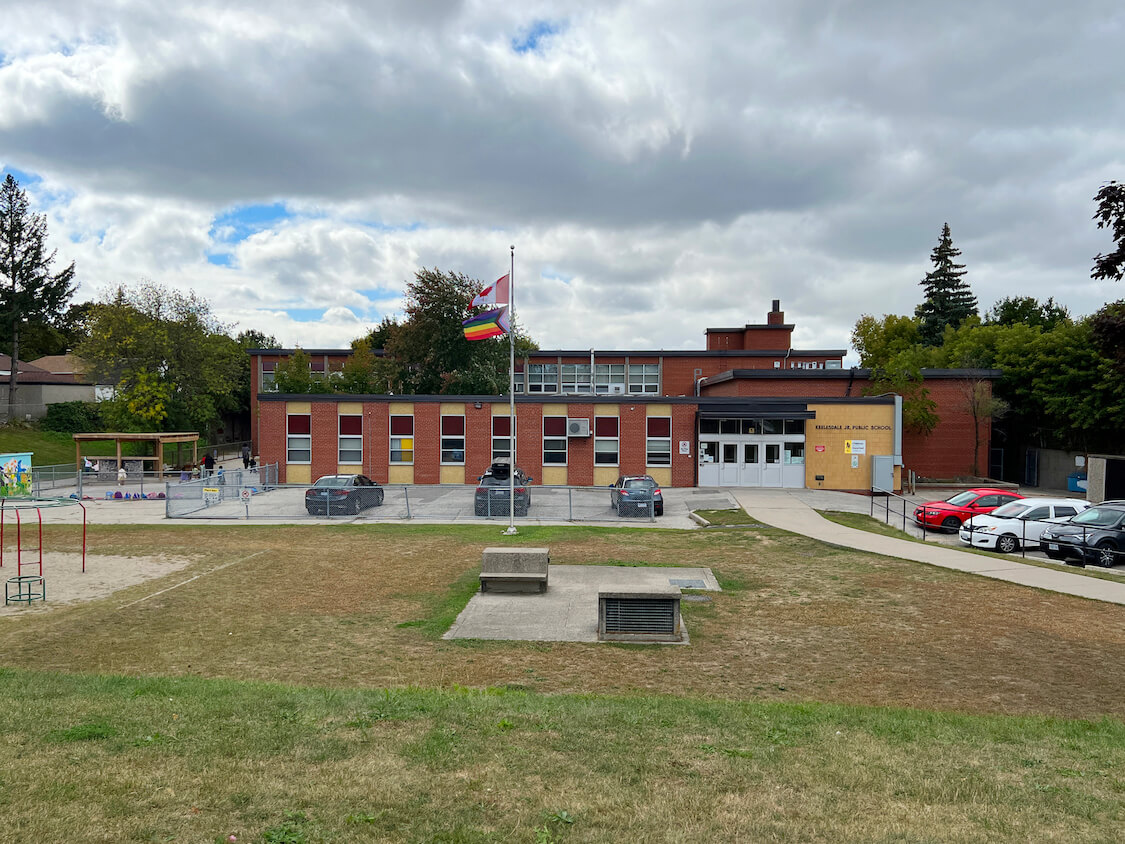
258 496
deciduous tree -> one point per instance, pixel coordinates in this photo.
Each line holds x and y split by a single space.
1111 215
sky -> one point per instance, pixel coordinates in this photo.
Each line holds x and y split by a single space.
660 167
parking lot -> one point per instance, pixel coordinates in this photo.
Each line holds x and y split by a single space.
447 504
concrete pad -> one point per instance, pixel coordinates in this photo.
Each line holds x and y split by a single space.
568 610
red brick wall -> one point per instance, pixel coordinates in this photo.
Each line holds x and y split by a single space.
948 451
580 450
377 440
427 442
631 432
325 439
529 439
271 432
683 428
478 440
767 339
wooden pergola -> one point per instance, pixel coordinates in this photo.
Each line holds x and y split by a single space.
159 439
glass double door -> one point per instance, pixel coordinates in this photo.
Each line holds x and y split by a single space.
750 464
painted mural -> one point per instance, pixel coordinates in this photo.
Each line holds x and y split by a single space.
15 474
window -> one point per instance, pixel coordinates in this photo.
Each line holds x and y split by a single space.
750 454
554 440
402 439
773 453
542 377
605 440
708 451
708 426
1038 513
730 426
644 378
751 426
351 439
501 436
576 378
316 368
453 439
658 445
794 426
772 426
794 453
267 383
298 428
609 378
1064 511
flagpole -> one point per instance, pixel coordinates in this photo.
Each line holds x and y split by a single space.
511 531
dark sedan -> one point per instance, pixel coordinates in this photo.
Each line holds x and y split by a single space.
1095 536
342 494
492 491
632 494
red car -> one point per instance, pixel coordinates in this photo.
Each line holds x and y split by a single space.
949 514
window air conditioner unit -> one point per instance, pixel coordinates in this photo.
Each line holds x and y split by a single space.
578 427
617 389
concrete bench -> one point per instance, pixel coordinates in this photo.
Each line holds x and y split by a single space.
639 614
514 569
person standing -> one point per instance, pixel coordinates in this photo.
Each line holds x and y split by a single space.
208 464
246 456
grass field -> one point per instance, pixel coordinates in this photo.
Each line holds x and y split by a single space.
826 695
51 447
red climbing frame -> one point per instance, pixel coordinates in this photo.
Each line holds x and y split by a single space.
19 538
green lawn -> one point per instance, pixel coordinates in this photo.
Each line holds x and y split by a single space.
290 684
94 758
49 447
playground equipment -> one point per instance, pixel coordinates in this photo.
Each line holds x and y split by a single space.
26 588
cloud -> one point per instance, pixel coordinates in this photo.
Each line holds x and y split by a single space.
661 167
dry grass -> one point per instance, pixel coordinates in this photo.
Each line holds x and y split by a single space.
800 621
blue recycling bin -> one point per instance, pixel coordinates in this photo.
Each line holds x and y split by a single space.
1076 482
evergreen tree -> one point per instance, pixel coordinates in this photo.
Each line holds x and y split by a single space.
949 301
29 291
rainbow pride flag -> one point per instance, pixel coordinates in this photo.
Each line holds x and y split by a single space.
488 324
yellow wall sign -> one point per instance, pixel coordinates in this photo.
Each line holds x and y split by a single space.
855 446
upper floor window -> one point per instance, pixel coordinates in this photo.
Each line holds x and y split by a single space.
554 440
609 378
606 430
298 441
644 378
542 377
501 437
453 439
658 444
268 385
576 378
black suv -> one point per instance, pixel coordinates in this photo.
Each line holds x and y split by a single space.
342 494
1095 536
632 494
492 490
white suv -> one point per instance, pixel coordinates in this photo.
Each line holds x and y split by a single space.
1018 522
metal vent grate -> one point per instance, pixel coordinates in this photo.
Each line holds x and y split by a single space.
640 616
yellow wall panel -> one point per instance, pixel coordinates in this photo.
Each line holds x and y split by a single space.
554 410
659 410
833 427
301 474
298 407
401 408
554 475
661 474
501 409
607 410
349 408
349 469
605 475
453 474
400 475
452 408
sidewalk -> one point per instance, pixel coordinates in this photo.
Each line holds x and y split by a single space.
785 510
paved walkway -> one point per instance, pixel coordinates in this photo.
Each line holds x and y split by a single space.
787 511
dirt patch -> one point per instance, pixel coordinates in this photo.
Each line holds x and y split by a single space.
67 584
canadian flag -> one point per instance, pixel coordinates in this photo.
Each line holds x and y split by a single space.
495 294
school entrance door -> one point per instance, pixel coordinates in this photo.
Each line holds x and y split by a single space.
742 454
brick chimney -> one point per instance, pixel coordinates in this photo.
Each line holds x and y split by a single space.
776 316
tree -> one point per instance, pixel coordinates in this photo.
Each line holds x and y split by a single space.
1028 310
1110 215
919 411
294 375
171 360
29 291
948 300
428 352
979 402
1108 329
